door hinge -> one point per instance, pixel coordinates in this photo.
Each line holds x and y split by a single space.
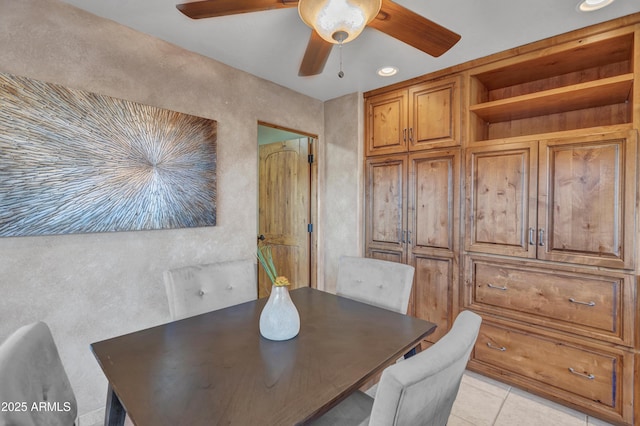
310 158
310 227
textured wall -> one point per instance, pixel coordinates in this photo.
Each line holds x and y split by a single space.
342 207
94 286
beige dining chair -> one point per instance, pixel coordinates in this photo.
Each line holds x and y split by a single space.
417 391
33 381
376 282
196 289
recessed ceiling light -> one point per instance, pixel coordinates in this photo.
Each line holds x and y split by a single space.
387 71
591 5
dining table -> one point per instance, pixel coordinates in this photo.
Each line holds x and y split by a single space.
216 368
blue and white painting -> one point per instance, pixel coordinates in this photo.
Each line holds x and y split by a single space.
78 162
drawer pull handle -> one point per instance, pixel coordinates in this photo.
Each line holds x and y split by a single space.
572 300
503 288
577 373
501 348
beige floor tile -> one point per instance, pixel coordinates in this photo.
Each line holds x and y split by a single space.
457 421
592 421
486 384
523 409
476 406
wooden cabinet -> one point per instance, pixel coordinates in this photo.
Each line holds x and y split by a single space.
412 204
549 221
569 199
387 123
581 374
583 302
424 116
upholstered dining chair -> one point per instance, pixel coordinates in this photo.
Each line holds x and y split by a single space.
417 391
376 282
31 372
196 289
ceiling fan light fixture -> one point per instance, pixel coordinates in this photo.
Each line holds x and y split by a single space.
332 19
591 5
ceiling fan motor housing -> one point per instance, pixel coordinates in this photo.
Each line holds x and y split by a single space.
338 21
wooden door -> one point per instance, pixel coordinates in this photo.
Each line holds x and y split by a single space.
284 210
501 192
387 123
434 179
386 208
434 115
587 200
433 201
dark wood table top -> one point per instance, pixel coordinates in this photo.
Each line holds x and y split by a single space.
216 369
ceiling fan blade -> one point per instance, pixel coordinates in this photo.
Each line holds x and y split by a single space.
315 56
413 29
212 8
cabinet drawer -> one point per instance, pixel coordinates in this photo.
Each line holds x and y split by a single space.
594 375
581 302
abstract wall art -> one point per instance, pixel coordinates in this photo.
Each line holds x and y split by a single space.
78 162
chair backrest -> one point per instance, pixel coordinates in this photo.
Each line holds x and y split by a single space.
32 376
194 290
421 390
376 282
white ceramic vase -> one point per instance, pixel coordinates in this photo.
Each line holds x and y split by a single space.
279 319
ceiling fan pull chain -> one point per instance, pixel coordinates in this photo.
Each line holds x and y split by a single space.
341 73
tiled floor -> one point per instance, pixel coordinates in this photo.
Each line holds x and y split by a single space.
485 402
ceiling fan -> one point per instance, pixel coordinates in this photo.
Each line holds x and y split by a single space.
383 15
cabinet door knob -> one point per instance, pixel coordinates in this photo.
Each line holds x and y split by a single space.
532 237
541 237
404 135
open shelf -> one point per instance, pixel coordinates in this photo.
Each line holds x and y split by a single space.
582 84
609 91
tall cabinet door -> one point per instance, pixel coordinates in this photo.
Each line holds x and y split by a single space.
433 235
386 209
433 205
501 199
586 199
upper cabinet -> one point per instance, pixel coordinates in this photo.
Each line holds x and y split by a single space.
425 116
568 199
582 84
387 128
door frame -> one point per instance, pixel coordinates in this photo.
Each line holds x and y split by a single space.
313 197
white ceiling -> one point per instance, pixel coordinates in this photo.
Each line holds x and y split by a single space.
271 44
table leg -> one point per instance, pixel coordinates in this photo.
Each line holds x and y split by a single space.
115 413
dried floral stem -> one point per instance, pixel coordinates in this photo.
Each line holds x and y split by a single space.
266 260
